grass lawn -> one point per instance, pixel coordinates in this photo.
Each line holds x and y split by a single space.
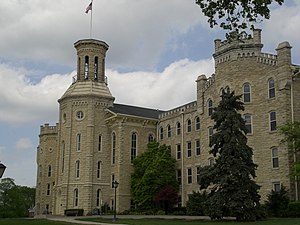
30 222
274 221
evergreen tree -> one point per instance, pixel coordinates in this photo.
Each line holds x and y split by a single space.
154 173
230 179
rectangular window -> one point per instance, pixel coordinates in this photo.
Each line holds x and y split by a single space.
78 142
275 159
100 143
198 174
133 146
198 147
248 123
113 148
210 134
77 167
178 176
178 151
273 121
189 149
189 176
48 189
189 126
276 186
99 169
49 170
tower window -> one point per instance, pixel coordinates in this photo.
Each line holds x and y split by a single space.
210 107
99 143
77 169
63 156
98 199
96 68
49 170
86 67
99 165
48 189
75 197
247 92
271 87
78 142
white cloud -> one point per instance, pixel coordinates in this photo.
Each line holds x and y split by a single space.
23 101
24 144
136 30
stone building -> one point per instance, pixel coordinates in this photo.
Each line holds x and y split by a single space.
96 140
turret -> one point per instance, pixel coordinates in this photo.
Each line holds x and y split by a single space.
91 60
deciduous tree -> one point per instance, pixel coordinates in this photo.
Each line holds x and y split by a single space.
236 14
154 173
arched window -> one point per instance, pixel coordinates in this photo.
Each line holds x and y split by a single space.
227 89
246 92
150 138
210 107
49 170
86 67
78 68
271 88
197 123
99 166
96 68
189 125
169 130
77 169
133 146
113 148
98 198
78 142
161 133
178 128
76 196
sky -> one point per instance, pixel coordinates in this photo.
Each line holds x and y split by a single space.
157 51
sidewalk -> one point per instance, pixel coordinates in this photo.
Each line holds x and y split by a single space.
74 219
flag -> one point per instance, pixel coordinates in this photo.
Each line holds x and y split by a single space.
88 8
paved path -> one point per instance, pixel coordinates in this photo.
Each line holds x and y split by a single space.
71 219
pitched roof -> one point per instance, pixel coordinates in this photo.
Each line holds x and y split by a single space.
135 111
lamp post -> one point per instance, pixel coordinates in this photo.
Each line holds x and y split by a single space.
115 185
2 168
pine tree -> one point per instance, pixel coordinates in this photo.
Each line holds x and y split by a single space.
231 179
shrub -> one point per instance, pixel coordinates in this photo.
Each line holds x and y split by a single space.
196 204
278 202
293 209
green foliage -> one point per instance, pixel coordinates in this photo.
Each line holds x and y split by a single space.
291 133
196 204
236 14
293 209
278 202
154 170
231 179
15 200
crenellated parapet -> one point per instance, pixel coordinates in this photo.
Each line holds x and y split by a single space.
177 111
47 129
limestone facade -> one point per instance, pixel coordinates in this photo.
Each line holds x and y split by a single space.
96 140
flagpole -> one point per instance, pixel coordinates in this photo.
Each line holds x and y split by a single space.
91 21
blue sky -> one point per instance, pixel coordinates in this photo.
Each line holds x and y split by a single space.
157 50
